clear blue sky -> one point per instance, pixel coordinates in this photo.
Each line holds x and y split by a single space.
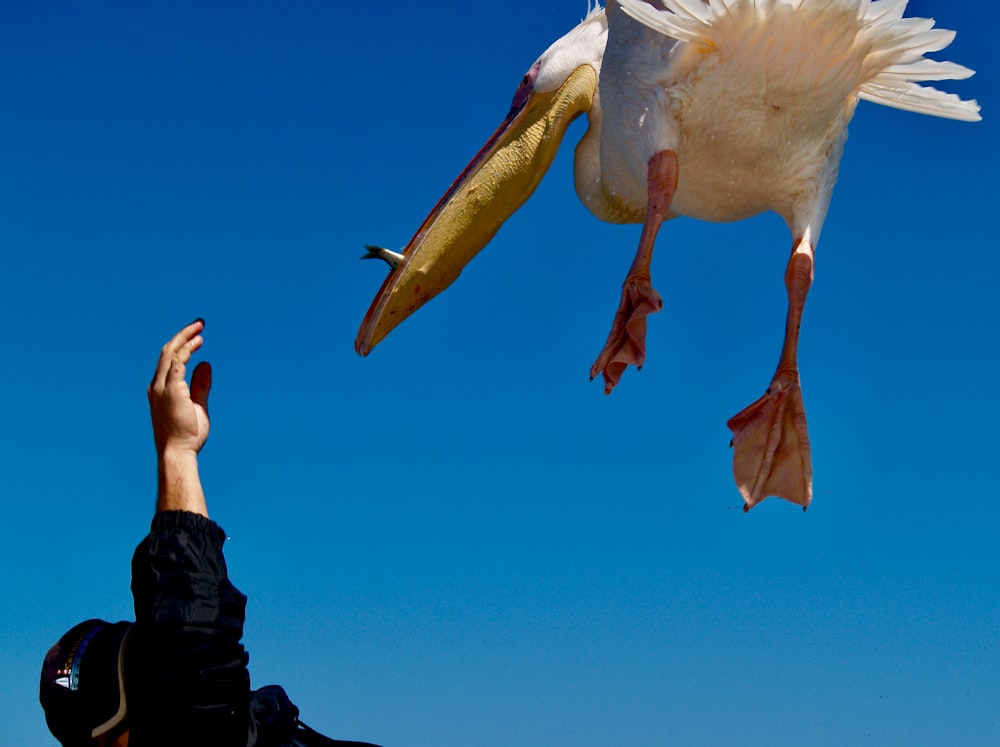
460 540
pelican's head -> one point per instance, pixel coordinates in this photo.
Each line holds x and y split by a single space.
557 88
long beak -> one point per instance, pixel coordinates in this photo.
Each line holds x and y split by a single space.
492 187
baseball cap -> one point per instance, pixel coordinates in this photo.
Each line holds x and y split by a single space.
82 688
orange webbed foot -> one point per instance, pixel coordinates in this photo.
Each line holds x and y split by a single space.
626 344
771 445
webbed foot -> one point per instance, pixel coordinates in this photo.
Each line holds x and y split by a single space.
771 453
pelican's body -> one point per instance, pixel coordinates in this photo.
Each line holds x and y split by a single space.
746 136
711 109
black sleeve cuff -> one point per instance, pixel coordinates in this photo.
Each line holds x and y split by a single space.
179 574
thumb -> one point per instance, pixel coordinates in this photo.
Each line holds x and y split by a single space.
201 383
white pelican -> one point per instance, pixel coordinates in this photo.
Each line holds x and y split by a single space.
712 109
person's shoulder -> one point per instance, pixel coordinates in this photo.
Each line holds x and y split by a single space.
275 716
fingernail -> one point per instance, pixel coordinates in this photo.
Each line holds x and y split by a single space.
199 319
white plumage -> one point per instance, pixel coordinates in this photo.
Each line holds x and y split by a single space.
889 47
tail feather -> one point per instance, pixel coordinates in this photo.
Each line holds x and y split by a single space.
902 94
930 70
884 13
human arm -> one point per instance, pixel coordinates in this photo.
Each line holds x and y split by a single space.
186 671
180 422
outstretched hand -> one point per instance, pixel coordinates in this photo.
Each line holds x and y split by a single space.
180 414
180 422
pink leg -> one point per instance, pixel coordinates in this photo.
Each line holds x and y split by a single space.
770 438
626 343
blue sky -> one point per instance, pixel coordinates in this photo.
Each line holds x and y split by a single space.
460 540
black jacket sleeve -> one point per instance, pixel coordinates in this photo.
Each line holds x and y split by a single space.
186 671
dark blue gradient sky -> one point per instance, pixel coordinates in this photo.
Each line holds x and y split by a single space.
460 540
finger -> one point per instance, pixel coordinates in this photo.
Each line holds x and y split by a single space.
169 351
183 354
178 366
201 384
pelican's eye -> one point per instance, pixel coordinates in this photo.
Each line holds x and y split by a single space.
524 90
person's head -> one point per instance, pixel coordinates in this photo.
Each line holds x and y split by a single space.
82 687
